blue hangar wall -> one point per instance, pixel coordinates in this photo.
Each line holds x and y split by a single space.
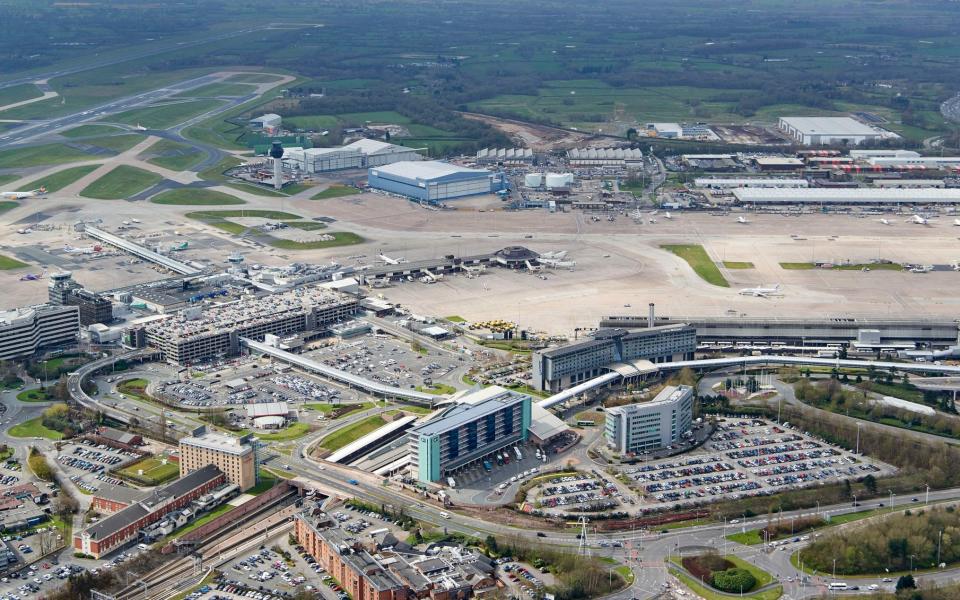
420 184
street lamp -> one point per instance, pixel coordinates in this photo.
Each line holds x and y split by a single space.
939 540
834 568
858 438
911 562
891 498
926 499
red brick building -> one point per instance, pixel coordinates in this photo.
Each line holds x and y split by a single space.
121 528
355 569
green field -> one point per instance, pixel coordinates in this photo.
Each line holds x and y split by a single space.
4 179
293 432
709 594
155 472
165 115
122 182
172 155
697 258
195 197
46 154
19 93
254 78
306 225
34 428
59 180
335 191
341 238
438 389
326 408
34 395
213 514
7 263
351 433
219 89
312 122
90 131
732 264
115 143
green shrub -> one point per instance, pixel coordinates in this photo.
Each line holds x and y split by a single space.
734 580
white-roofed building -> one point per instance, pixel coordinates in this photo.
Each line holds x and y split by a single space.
868 196
360 154
267 122
268 409
377 153
270 422
433 181
822 131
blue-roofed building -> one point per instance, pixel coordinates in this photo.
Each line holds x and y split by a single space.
481 424
433 181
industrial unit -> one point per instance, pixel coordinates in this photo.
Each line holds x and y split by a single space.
200 333
505 156
24 331
825 131
481 424
645 426
555 369
433 181
743 182
235 456
859 196
361 154
605 157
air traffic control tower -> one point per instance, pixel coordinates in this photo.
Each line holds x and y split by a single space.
276 152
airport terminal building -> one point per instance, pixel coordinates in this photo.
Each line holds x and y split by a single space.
25 331
481 424
555 369
661 422
433 181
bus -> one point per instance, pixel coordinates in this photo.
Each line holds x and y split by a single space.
585 423
837 585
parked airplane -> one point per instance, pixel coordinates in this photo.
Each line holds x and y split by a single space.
885 221
88 250
921 268
40 191
742 220
558 264
918 220
140 127
24 231
134 220
390 261
762 292
557 254
31 277
667 215
956 222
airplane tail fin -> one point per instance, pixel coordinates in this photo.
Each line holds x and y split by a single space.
42 190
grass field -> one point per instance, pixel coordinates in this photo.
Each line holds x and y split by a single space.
154 470
165 115
437 388
697 258
89 131
306 225
351 433
267 479
708 594
340 238
455 319
34 428
34 395
6 205
254 78
213 514
326 408
732 264
122 182
59 180
115 143
219 89
293 432
19 93
135 388
46 154
335 191
5 179
195 197
172 155
7 263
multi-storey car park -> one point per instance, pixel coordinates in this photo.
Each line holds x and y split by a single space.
24 331
555 369
661 422
481 424
200 333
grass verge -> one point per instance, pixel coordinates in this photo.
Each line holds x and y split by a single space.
34 428
335 191
195 197
59 180
698 260
7 263
351 433
122 182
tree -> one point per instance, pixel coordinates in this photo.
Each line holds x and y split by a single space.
491 543
631 134
870 482
906 582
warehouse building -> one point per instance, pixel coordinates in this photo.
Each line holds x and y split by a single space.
269 122
25 331
505 156
481 424
607 349
720 183
361 154
123 527
857 196
433 181
929 162
829 131
605 157
645 426
201 333
235 456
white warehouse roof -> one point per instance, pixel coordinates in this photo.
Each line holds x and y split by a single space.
368 147
428 169
833 126
267 409
847 196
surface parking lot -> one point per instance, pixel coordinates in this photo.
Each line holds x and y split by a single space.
386 360
87 463
578 492
744 458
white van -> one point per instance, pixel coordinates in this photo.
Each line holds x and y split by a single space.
837 585
445 515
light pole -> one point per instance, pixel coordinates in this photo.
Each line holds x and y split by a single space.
926 499
834 568
891 498
858 438
939 540
911 562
